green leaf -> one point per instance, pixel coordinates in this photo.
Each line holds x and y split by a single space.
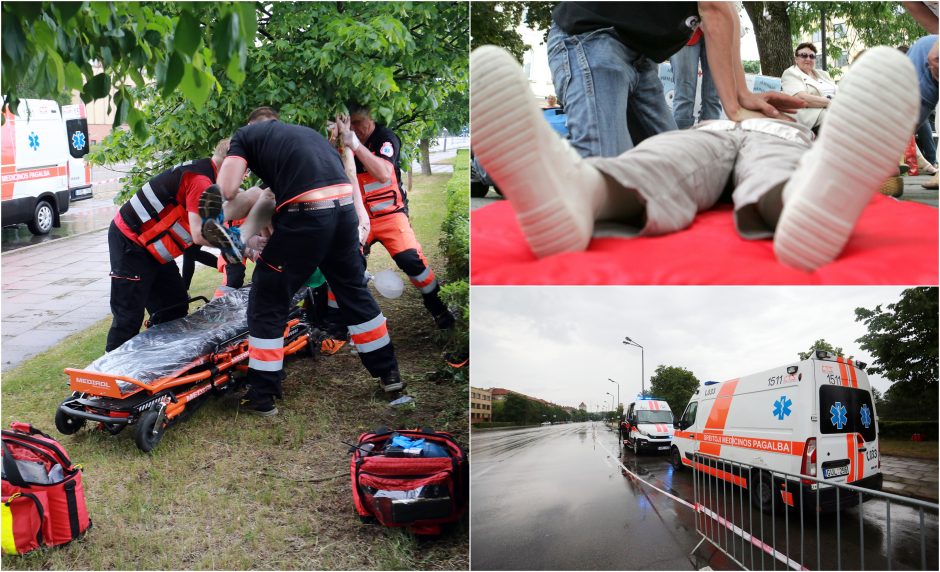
56 69
187 36
196 85
67 10
122 105
73 76
137 123
247 20
174 74
224 38
98 86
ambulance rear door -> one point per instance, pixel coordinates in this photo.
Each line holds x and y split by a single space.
847 447
76 136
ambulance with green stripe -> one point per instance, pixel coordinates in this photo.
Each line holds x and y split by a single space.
814 417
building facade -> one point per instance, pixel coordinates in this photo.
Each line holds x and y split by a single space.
481 405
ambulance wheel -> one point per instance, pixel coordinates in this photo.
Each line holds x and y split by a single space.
478 190
66 424
147 434
42 220
762 490
675 459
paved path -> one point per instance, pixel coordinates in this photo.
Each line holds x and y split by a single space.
910 477
50 291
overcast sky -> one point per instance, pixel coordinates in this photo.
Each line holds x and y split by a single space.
563 343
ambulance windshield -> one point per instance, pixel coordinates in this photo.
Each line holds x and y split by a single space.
846 410
653 416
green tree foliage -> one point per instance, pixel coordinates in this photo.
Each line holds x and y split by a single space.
404 60
184 48
519 409
777 25
496 22
674 384
902 338
820 344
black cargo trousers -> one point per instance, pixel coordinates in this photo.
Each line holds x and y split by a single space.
139 282
302 241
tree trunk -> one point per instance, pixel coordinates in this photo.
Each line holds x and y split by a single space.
772 28
423 143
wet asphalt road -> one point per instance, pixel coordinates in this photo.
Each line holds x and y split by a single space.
554 498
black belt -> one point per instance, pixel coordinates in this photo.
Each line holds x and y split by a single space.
318 205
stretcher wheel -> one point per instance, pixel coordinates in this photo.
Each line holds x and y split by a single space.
66 424
113 428
148 433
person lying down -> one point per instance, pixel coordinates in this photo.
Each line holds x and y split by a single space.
807 195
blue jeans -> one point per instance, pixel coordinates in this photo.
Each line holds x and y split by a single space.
598 81
685 75
925 142
928 85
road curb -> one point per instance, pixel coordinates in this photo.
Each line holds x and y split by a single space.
32 246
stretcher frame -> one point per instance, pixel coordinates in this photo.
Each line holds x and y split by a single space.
153 406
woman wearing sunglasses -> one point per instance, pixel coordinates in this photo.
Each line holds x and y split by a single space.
812 85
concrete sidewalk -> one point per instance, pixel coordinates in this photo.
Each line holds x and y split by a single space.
910 477
50 291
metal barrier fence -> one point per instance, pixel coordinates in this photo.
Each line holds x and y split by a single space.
743 511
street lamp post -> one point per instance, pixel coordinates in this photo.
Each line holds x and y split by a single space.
611 400
618 391
628 342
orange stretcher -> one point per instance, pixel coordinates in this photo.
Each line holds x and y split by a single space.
170 369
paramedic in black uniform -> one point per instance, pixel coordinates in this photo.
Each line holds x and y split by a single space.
315 225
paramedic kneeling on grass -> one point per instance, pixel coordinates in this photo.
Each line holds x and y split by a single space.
148 233
315 225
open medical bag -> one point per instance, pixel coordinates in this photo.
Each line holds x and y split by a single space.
42 495
417 479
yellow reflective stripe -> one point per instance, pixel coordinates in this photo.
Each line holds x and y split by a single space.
6 518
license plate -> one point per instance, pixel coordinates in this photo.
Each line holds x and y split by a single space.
81 192
666 448
836 472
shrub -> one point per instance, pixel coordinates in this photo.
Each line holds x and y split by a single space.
455 244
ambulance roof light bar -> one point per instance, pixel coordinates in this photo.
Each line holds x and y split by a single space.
711 383
823 354
650 398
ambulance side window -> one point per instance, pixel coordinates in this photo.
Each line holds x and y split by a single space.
688 416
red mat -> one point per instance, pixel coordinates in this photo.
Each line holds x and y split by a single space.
894 243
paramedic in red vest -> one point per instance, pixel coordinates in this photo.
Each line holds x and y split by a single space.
315 225
376 150
145 237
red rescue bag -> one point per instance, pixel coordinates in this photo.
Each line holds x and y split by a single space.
418 488
42 495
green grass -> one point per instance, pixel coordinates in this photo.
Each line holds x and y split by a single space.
227 492
914 449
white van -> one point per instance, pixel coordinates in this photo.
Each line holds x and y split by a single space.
647 426
814 417
44 169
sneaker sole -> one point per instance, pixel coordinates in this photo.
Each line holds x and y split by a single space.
218 237
508 139
866 130
210 203
271 413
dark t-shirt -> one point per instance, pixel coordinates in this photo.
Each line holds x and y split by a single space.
291 159
385 144
655 29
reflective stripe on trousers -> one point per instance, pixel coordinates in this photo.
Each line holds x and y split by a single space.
370 336
426 282
331 298
266 354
